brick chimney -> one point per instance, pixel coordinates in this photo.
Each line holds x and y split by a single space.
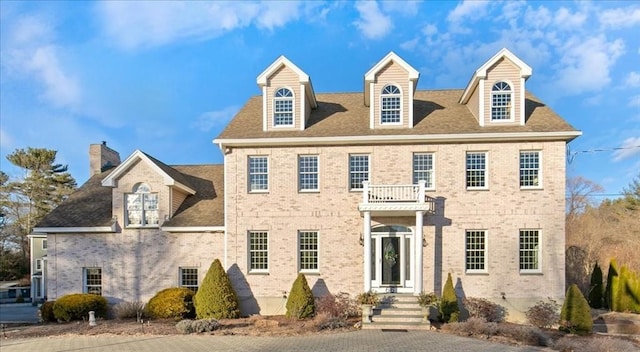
101 158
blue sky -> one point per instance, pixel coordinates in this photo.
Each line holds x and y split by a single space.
166 77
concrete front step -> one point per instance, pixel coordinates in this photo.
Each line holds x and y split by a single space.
389 318
399 311
396 326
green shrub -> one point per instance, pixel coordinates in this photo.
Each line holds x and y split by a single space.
46 312
300 303
575 316
215 297
627 297
612 284
171 303
449 311
544 314
596 299
78 305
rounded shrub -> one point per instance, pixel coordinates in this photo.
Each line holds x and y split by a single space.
216 298
172 303
46 312
77 306
575 316
300 303
449 311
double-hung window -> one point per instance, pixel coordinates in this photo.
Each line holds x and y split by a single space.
142 207
423 169
308 173
476 251
530 169
92 279
38 264
189 278
390 110
476 170
308 256
501 97
258 251
283 107
258 174
44 244
358 170
530 251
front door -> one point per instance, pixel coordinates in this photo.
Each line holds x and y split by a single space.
392 259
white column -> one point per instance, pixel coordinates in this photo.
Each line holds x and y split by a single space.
367 251
417 286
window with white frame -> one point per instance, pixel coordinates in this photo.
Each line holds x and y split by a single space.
142 207
308 173
308 245
92 278
44 243
530 250
530 169
38 264
258 174
501 97
390 110
358 170
189 278
258 251
476 170
283 107
423 169
475 251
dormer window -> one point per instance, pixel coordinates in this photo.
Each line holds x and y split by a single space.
390 105
501 98
283 107
142 207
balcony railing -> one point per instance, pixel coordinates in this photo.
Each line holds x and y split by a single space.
396 194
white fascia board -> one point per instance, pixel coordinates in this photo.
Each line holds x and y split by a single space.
94 229
37 235
401 139
370 76
193 228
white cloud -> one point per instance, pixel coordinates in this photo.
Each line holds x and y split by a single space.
468 10
564 19
620 18
410 44
6 142
215 119
631 148
406 8
134 24
372 22
634 101
60 88
633 80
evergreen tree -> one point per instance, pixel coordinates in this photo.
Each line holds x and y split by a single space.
595 291
612 285
449 311
300 303
215 297
576 314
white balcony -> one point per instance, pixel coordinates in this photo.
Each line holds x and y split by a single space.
395 200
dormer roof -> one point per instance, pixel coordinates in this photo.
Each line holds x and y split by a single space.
171 177
302 77
481 73
370 76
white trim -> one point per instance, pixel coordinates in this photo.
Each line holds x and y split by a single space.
249 190
522 102
303 113
309 271
513 99
399 139
273 108
94 229
302 77
314 190
481 98
540 163
372 113
486 170
540 246
410 109
226 213
485 252
370 76
264 108
193 228
401 96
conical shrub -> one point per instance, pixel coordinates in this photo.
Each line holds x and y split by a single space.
596 299
449 311
300 303
612 285
576 315
216 298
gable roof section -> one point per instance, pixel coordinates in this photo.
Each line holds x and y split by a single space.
370 76
481 73
302 77
171 176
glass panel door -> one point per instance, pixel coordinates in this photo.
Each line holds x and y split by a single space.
391 261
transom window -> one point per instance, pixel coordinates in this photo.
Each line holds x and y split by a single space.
189 278
308 244
390 105
423 168
258 174
530 169
258 251
475 251
358 170
142 206
283 107
501 97
530 251
92 280
476 170
308 172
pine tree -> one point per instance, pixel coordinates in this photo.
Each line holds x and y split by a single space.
595 291
576 314
449 311
612 285
300 303
215 297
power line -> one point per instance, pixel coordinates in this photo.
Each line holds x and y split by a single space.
571 155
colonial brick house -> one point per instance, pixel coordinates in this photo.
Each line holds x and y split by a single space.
389 189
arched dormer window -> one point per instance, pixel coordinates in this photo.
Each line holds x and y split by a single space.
142 206
501 101
283 107
390 105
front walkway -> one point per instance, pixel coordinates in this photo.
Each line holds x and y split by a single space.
369 340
